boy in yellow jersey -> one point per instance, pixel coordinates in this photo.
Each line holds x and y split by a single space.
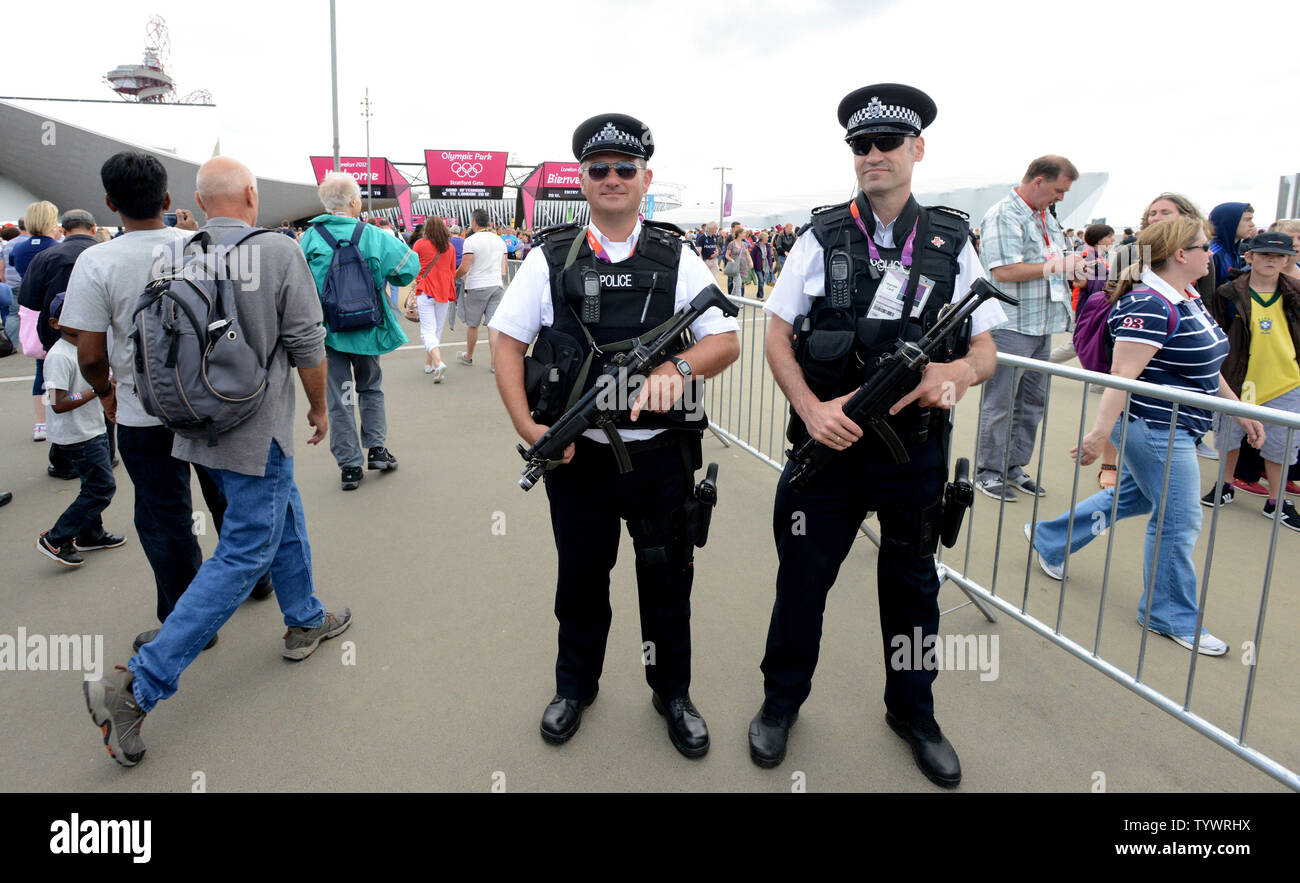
1260 312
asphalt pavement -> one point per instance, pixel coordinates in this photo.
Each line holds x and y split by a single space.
449 569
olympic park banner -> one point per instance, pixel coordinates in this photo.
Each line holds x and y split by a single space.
379 180
466 174
549 181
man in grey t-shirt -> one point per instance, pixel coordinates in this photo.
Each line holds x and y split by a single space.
280 315
102 293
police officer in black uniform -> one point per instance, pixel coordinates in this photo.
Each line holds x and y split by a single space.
645 276
862 276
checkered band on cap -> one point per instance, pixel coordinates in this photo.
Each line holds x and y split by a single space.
889 113
612 135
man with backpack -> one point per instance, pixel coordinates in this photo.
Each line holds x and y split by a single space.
351 260
102 294
268 318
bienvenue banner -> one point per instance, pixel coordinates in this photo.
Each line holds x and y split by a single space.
466 174
560 180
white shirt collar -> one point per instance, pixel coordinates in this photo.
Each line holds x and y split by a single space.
617 251
1151 280
884 233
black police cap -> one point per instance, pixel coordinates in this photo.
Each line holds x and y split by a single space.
886 108
613 133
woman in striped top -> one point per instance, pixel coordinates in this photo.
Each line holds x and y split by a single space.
1162 335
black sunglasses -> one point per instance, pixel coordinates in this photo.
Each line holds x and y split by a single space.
598 171
1205 246
862 145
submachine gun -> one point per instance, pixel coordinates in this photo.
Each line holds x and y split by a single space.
898 374
597 409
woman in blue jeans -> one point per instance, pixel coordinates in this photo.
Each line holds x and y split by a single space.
1162 335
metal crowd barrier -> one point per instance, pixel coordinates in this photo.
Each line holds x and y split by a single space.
747 409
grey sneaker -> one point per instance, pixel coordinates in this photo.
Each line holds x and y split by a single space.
1023 483
993 487
113 708
460 357
299 643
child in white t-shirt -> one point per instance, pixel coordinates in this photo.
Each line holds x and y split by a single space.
75 427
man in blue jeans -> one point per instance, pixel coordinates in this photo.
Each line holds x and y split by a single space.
253 465
102 292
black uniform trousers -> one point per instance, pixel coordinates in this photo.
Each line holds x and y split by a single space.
588 500
815 529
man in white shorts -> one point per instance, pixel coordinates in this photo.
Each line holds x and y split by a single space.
483 267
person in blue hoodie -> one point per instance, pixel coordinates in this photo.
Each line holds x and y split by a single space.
1232 222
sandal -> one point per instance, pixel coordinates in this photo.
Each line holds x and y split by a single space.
1106 476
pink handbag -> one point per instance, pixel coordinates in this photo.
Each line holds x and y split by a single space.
28 339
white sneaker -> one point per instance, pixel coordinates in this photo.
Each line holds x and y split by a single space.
1057 573
439 371
38 432
1063 353
1210 645
460 357
428 369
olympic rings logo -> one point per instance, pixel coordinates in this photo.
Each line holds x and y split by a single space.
466 170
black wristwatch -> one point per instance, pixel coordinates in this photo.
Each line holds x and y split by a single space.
683 366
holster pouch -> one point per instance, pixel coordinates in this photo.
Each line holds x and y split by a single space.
697 511
550 374
827 353
958 495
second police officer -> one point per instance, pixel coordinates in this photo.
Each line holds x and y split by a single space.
886 256
644 277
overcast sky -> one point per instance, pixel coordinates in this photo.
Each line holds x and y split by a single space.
1159 95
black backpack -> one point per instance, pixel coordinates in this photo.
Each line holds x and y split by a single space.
349 298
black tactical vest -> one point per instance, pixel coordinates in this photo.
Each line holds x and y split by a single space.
836 344
637 296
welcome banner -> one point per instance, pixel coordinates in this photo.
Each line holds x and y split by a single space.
378 179
375 177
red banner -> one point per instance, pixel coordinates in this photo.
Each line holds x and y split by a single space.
560 180
466 174
375 181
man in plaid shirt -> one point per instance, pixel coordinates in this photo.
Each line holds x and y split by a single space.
1024 250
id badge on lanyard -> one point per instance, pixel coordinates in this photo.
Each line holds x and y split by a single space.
888 302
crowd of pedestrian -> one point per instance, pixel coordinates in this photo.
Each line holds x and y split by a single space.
1205 304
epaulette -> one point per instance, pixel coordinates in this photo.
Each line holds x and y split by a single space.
556 228
950 210
826 208
665 225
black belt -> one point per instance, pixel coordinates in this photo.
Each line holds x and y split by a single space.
667 438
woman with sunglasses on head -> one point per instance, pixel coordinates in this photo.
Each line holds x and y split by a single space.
1162 335
1174 205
